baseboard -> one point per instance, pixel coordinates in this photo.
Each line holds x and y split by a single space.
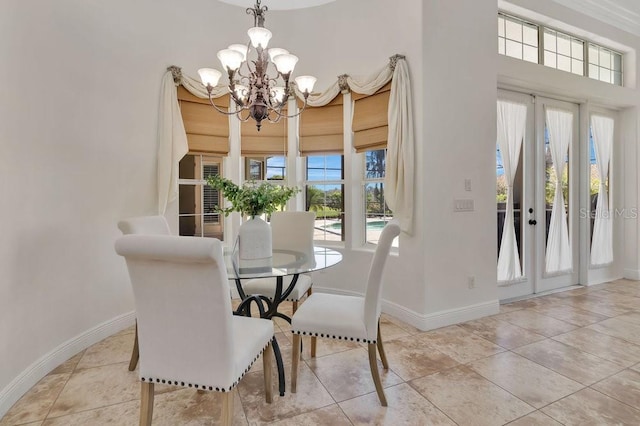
36 371
429 321
632 274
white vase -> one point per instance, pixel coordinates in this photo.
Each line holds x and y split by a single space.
254 239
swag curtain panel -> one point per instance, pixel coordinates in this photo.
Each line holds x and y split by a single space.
172 137
512 119
558 256
602 242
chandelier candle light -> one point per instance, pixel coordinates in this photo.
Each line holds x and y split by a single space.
256 91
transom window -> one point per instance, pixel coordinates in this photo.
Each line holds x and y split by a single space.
539 44
605 64
563 52
517 38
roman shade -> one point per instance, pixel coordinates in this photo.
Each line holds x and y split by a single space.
207 130
322 128
270 140
370 120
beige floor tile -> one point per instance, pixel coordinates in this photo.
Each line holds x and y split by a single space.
123 414
187 407
310 396
326 347
618 328
97 387
536 322
591 408
469 399
569 361
459 344
329 416
405 407
37 402
570 314
598 305
38 423
112 350
531 382
69 365
636 367
632 317
347 374
608 347
502 333
624 386
410 358
537 418
403 325
390 331
128 330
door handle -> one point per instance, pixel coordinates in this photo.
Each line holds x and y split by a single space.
533 222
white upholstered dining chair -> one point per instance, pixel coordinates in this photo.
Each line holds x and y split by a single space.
188 335
145 225
350 318
290 231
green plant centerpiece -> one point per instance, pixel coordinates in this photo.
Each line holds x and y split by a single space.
252 199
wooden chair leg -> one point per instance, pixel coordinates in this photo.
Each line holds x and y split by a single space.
383 356
373 364
295 306
314 341
295 354
227 409
146 404
309 292
135 354
267 363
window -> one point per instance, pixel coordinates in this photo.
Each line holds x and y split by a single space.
563 52
517 38
376 211
605 65
276 168
324 194
536 43
196 200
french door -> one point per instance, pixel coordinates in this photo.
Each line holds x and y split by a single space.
537 170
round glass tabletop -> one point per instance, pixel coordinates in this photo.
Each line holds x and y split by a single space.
282 263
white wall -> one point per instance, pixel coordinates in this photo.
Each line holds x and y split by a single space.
459 142
79 109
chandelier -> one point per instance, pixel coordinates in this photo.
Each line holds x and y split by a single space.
250 86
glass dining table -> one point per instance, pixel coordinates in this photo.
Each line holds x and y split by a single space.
282 264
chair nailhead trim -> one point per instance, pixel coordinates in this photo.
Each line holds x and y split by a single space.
357 339
204 387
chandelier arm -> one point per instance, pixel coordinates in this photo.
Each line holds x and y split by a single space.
221 111
243 120
280 115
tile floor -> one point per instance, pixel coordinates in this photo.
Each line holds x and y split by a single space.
569 358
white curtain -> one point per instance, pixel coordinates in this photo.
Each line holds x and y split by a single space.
512 120
172 142
398 179
558 257
172 138
602 242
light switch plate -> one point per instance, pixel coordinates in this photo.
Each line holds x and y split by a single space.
465 205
